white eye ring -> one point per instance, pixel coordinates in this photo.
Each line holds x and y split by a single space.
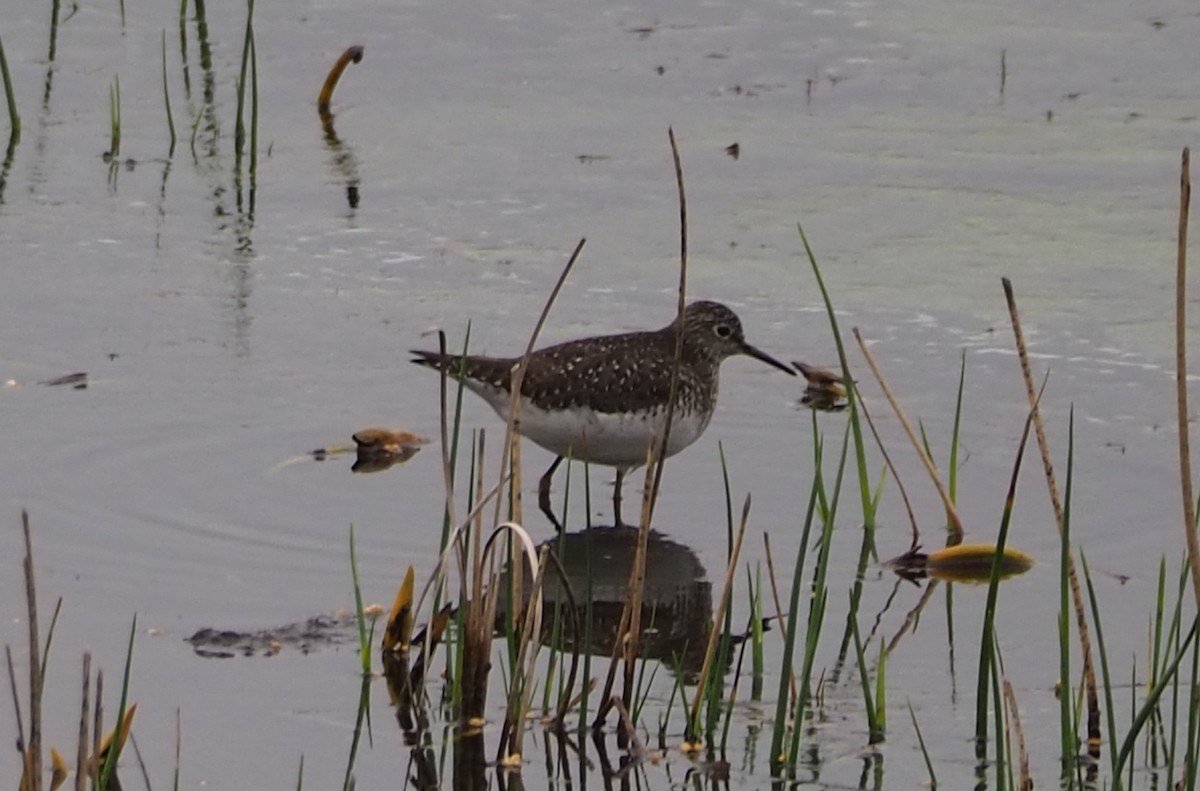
723 330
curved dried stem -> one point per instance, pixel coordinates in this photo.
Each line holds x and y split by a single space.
955 524
351 55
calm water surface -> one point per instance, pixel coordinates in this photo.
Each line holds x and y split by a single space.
484 142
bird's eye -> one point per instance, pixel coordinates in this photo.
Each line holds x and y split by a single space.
723 330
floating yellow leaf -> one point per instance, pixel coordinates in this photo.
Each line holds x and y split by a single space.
961 563
973 563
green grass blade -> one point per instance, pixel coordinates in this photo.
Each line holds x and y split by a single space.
1068 729
789 643
364 642
110 761
864 483
1107 679
933 783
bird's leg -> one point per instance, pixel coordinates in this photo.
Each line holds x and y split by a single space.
544 491
617 521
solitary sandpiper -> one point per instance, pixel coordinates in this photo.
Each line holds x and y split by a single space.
604 399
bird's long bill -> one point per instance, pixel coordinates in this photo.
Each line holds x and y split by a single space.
757 354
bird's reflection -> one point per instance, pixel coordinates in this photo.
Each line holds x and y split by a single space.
676 602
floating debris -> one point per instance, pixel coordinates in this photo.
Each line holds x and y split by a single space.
78 381
825 389
322 630
386 441
961 563
375 449
734 150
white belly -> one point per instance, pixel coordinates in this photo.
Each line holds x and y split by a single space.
614 440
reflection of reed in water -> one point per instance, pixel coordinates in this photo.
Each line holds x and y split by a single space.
676 604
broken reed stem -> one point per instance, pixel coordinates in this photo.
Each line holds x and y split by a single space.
627 633
1024 779
81 754
1081 624
351 55
780 615
638 746
1185 456
518 375
674 387
955 525
33 747
656 457
521 690
16 696
94 763
637 591
444 427
912 519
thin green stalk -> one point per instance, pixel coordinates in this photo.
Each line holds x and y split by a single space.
1193 735
1106 678
195 132
756 636
1129 743
167 95
864 483
14 117
1067 727
114 118
952 472
253 110
239 138
865 683
364 715
1133 707
789 644
364 643
816 611
110 761
881 693
1173 642
589 593
986 645
55 5
933 784
1001 762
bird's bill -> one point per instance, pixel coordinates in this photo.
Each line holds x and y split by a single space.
757 354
